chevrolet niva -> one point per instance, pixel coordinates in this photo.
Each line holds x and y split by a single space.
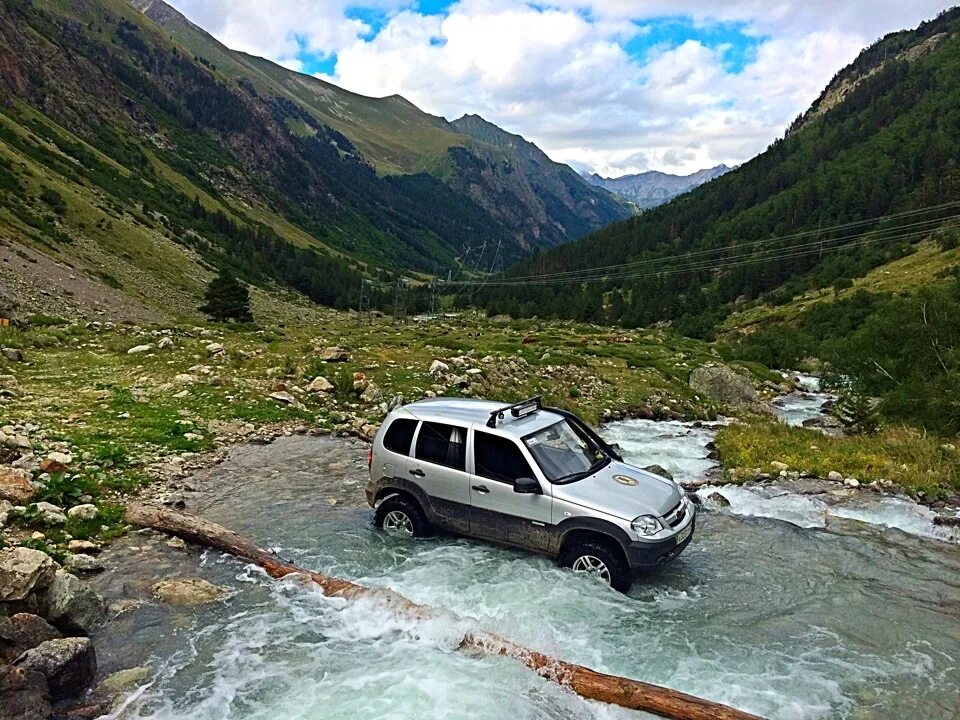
529 476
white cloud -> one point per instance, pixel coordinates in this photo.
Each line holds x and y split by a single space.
560 75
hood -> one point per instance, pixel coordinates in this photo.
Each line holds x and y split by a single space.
648 495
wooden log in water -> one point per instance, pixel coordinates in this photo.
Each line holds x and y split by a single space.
585 682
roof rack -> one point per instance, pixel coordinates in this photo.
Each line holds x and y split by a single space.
517 410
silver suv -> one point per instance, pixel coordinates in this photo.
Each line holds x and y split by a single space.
529 476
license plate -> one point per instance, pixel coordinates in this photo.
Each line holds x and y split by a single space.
684 534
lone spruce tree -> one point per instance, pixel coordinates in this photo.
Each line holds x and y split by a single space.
227 299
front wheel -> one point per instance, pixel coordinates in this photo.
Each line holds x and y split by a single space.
401 516
600 561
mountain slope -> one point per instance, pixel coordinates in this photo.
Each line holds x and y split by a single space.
890 146
649 189
396 137
119 147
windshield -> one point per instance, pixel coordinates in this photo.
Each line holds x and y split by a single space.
563 454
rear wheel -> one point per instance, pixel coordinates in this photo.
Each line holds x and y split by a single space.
401 516
597 559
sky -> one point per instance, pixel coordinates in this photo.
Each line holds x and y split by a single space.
612 86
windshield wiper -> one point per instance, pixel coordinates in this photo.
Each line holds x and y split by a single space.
581 474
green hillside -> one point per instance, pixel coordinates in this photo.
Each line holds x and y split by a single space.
883 140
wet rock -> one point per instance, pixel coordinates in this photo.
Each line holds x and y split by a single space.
83 564
12 354
49 513
659 470
320 385
825 422
72 607
947 521
22 571
15 485
335 354
718 499
68 664
851 482
87 511
723 383
176 543
126 680
24 694
712 452
188 591
21 632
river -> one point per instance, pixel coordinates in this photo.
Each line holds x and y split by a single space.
786 605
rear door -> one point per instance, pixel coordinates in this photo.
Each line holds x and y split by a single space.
496 511
438 465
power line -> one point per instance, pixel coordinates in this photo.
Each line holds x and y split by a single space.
689 262
587 273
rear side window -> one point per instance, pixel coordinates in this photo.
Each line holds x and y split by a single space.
400 435
442 445
499 458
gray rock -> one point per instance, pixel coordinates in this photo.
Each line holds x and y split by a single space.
165 343
724 384
24 694
371 394
320 385
659 470
216 349
125 680
87 511
50 513
12 354
335 354
71 606
835 476
83 563
137 349
68 664
5 508
438 366
22 571
22 631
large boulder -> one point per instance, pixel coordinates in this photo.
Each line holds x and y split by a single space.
188 591
87 511
15 485
73 607
22 571
49 513
24 694
724 384
22 631
335 354
68 664
320 385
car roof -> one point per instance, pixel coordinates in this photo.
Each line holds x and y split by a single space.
474 411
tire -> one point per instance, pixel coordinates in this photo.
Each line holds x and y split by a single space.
401 516
597 558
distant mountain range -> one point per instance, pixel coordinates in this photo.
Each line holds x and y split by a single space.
649 189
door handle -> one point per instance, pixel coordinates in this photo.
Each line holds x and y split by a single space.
417 473
483 489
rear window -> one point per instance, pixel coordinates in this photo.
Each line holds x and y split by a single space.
442 445
400 435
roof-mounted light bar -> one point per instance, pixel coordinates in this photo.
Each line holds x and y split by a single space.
517 410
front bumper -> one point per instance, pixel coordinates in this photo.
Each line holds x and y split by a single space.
648 555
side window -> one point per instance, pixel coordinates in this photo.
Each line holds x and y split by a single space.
400 435
499 458
442 444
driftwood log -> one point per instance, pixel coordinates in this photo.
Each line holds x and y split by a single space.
585 682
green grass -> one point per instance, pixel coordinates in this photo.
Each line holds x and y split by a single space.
917 461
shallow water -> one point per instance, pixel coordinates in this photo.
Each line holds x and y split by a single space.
842 619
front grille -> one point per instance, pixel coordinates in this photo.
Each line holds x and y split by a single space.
676 515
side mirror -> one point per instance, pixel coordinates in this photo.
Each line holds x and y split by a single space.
527 486
616 448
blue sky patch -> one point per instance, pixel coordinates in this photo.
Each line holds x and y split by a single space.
739 47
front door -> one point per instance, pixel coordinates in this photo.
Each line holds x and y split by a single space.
438 466
496 511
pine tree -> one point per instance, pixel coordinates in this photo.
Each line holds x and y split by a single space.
857 413
227 298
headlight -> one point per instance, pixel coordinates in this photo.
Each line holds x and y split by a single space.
646 525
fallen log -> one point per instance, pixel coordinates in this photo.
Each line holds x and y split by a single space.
585 682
